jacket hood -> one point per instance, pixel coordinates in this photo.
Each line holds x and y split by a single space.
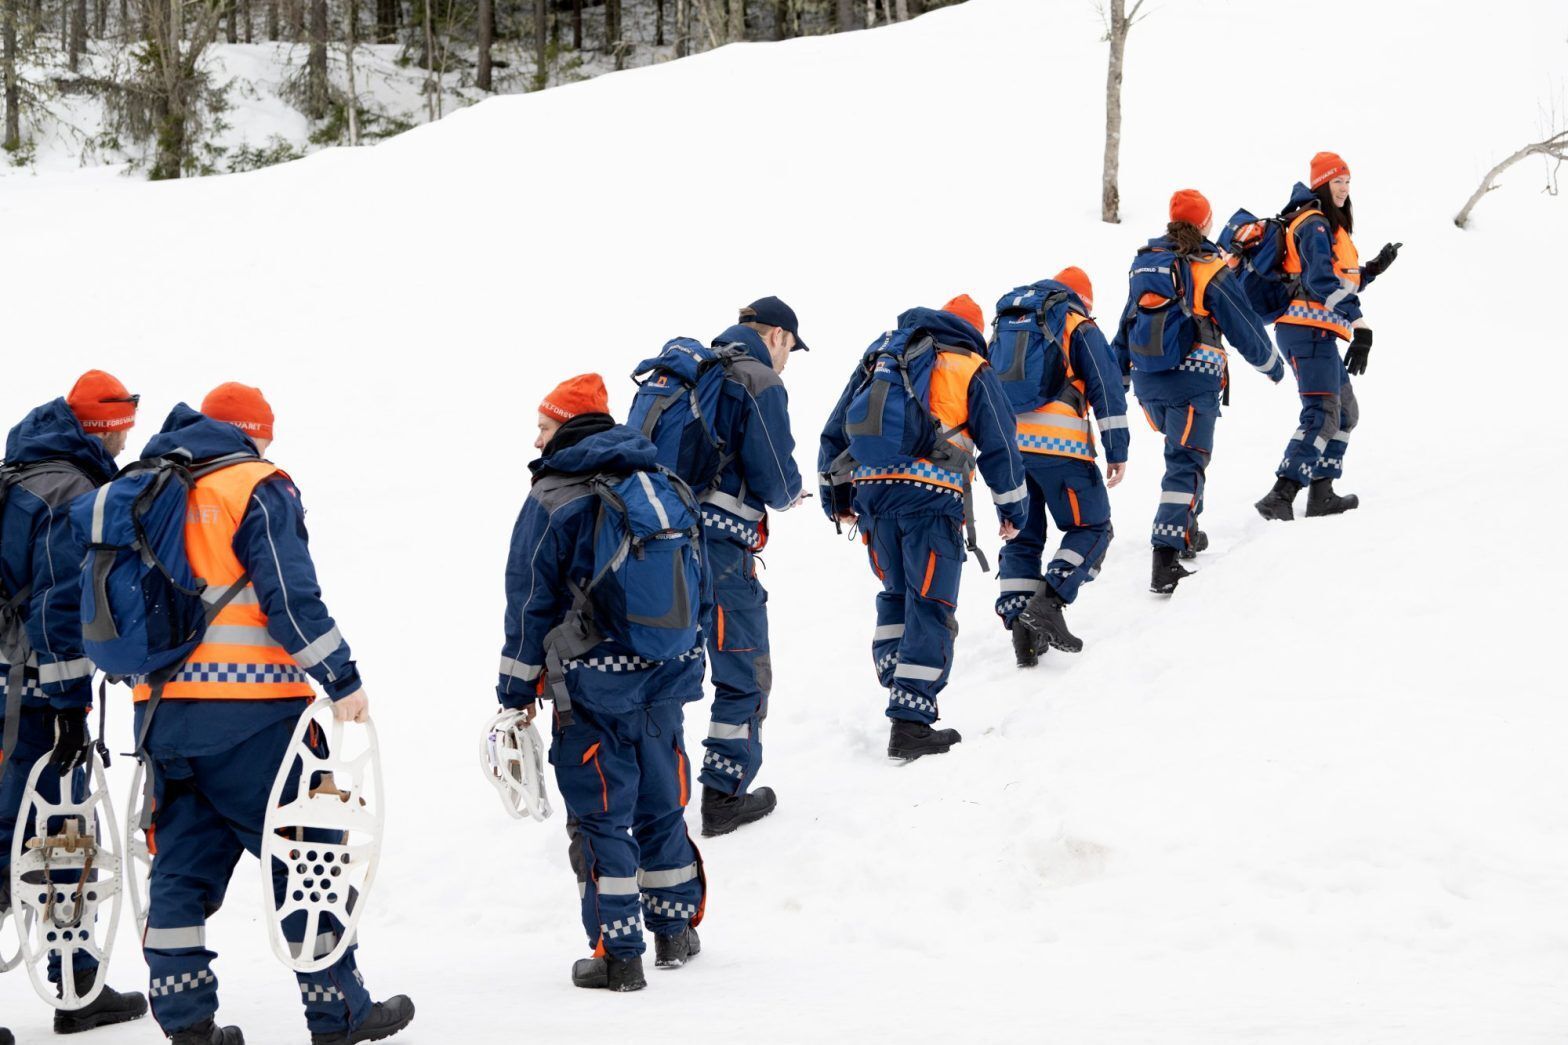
948 328
1300 196
198 435
1168 245
747 337
618 449
51 432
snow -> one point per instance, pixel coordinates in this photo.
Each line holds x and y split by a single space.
1316 796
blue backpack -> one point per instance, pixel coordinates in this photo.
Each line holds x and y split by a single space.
1260 245
1170 316
675 405
889 420
1026 354
143 610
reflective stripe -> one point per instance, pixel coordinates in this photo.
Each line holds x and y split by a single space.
1108 424
320 949
653 499
98 503
1345 290
1340 436
1068 555
1175 497
1267 367
667 879
65 670
518 670
888 631
1012 584
1012 496
246 596
319 650
239 635
1051 419
734 505
617 886
170 939
1321 443
917 671
725 731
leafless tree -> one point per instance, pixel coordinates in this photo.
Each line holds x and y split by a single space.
1118 21
482 78
1553 148
12 140
177 33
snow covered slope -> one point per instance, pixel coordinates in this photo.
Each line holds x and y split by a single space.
1319 796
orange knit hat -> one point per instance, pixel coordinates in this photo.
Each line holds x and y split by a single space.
1078 281
583 394
242 406
1326 166
101 403
964 307
1191 206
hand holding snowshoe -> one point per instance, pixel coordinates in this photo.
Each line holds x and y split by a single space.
72 741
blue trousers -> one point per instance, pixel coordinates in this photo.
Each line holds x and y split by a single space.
1075 495
626 780
34 740
1189 442
1329 411
741 664
919 559
209 810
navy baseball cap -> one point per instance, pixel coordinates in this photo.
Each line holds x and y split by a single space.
771 312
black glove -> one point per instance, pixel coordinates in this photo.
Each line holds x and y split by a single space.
1385 257
1360 348
72 743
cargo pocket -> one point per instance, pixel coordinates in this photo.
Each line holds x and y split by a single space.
1087 502
943 568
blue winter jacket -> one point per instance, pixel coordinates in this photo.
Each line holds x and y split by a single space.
753 422
1229 308
1093 361
991 425
1315 243
38 549
272 545
552 543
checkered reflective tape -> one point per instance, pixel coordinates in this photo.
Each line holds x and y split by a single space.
1009 605
727 527
1298 311
618 928
1331 462
1194 365
910 700
319 992
30 689
1051 444
1167 530
628 661
666 909
885 662
185 981
956 495
219 672
714 760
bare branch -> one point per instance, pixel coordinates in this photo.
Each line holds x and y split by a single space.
1554 147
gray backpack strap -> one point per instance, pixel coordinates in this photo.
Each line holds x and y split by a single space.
17 650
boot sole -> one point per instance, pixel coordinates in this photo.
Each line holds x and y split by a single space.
1324 515
715 832
1271 516
910 756
376 1035
107 1019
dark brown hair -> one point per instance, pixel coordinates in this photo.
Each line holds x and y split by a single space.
1187 236
1338 217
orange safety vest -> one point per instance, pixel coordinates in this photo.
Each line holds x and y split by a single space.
1304 312
237 659
1061 428
951 373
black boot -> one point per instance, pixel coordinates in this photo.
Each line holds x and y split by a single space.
675 950
609 973
1199 542
1025 646
912 740
109 1007
5 1037
1322 500
1279 504
1043 616
1167 571
386 1019
208 1033
722 813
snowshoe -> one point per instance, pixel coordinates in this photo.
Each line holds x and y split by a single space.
209 1033
1279 504
1198 542
722 813
676 949
1043 616
1322 500
108 1008
608 972
1167 571
386 1019
1025 646
912 740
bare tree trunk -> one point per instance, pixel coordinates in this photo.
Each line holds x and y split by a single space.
249 21
781 19
431 87
612 26
317 95
486 40
901 10
13 113
78 31
541 38
348 64
231 30
737 31
101 19
871 13
1110 188
577 25
682 28
658 24
388 14
844 16
1555 147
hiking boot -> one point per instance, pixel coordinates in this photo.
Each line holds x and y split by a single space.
1199 542
608 972
912 740
675 950
1167 571
109 1007
1279 504
1322 500
208 1033
386 1019
722 813
1043 616
1026 647
6 1038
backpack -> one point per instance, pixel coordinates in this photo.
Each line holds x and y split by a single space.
1028 357
1161 292
889 420
143 610
675 406
1259 245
